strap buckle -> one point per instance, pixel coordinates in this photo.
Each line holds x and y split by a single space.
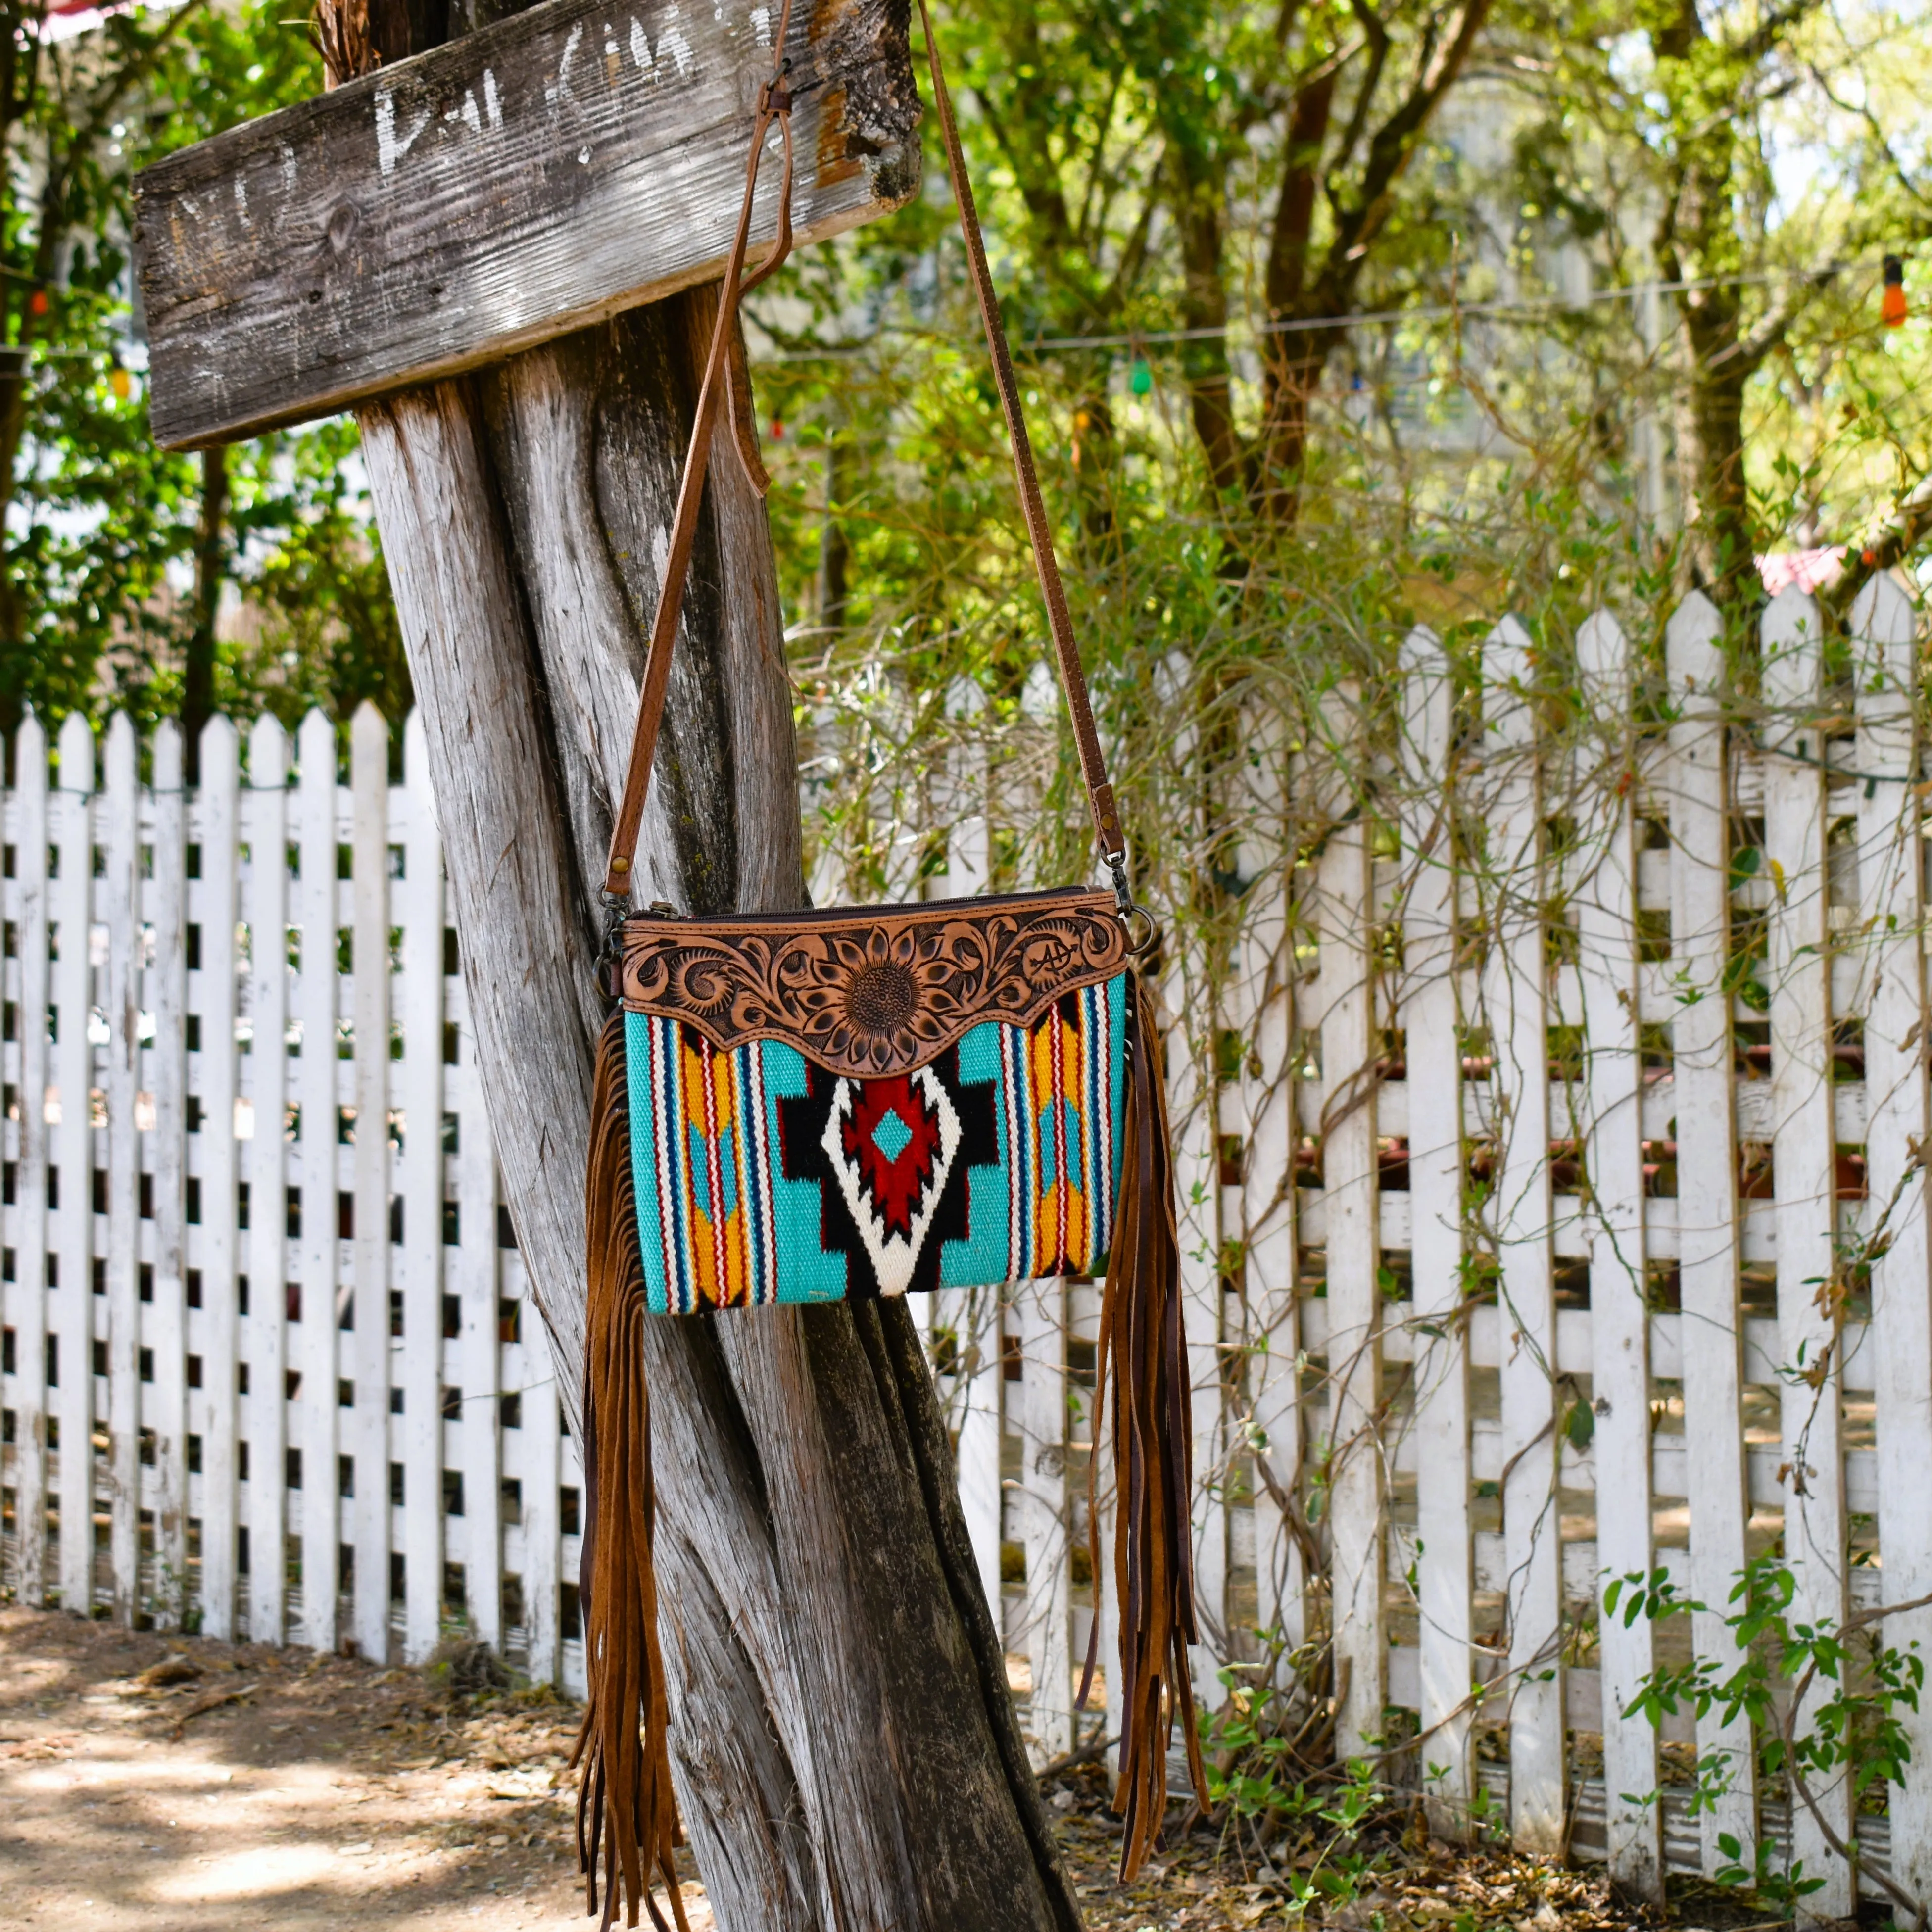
611 953
1146 937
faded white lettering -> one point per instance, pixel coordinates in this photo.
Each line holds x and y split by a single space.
672 40
390 149
559 88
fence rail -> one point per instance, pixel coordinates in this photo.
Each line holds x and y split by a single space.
1550 1089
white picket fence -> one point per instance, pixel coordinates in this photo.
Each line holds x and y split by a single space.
268 1361
255 1258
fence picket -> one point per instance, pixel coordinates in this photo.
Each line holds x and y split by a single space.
540 1447
1432 1054
1193 1107
1708 1233
972 1316
1046 1618
1804 1169
1263 1211
1350 1202
1607 945
212 913
164 984
36 1405
71 1167
369 949
264 1325
119 908
312 1047
1892 890
445 1371
1515 982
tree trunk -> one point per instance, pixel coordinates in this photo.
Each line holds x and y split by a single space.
835 551
844 1747
197 704
1295 366
1711 439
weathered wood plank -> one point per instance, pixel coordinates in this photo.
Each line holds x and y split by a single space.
546 172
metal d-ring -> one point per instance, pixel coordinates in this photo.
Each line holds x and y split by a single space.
1149 930
1127 910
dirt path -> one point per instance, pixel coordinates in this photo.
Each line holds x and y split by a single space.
152 1784
269 1787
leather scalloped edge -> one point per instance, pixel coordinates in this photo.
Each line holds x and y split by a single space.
872 992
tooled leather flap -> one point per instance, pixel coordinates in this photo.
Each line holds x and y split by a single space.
872 992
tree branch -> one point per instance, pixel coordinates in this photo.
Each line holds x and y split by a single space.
1294 204
1389 152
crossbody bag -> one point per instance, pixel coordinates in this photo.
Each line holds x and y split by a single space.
849 1101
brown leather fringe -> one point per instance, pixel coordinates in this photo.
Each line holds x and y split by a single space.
1142 1341
625 1805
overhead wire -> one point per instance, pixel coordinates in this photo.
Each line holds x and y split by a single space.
1536 309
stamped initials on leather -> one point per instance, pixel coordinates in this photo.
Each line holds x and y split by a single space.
875 990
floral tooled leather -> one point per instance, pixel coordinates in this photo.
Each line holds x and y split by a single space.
875 990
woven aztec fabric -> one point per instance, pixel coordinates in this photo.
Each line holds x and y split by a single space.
765 1178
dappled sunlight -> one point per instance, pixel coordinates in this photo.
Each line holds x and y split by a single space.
246 1786
259 1873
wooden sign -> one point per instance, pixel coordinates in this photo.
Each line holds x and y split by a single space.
536 176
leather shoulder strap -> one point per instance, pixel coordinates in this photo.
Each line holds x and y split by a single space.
775 104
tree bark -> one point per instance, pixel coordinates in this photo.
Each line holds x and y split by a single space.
1710 440
210 551
844 1747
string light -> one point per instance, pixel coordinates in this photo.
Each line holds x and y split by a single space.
1891 300
1540 310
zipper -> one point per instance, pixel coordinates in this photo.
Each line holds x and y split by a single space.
661 912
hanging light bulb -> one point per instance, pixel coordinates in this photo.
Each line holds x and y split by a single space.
1891 299
1140 379
36 302
121 382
